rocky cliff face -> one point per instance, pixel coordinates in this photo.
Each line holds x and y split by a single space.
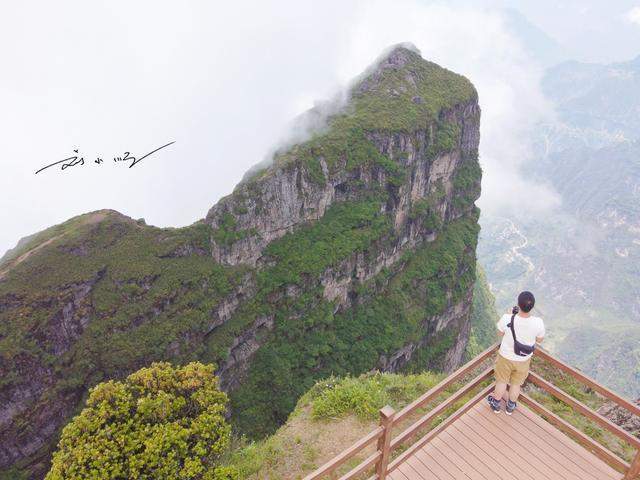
267 208
352 251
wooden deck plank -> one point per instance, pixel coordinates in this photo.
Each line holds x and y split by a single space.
513 458
530 449
418 469
556 454
397 475
405 477
459 458
561 450
489 468
439 471
582 458
456 472
480 451
413 469
548 430
517 431
478 435
515 461
422 470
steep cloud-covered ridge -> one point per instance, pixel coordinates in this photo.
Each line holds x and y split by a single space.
351 251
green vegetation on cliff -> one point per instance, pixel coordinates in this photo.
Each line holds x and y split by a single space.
312 336
390 312
403 99
483 317
106 295
160 422
387 269
138 284
343 142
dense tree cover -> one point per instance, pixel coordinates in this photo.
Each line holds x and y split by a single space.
483 317
159 423
312 341
139 286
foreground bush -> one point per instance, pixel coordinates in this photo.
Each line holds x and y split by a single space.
160 423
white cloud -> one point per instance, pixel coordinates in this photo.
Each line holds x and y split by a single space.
109 77
223 82
478 44
633 15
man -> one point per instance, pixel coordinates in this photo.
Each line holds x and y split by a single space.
513 359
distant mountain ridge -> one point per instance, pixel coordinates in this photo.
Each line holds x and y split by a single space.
594 97
583 260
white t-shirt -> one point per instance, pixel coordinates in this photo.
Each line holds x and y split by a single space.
527 329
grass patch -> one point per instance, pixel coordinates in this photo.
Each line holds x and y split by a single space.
364 396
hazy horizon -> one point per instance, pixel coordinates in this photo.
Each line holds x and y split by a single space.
115 77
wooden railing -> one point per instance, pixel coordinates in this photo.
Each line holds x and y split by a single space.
631 471
389 418
385 444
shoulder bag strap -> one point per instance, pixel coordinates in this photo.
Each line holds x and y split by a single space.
513 331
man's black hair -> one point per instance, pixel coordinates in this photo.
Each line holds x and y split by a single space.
526 301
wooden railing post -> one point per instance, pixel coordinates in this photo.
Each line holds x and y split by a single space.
634 469
386 422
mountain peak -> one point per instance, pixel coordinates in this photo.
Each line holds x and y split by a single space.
400 94
401 84
399 55
400 91
395 58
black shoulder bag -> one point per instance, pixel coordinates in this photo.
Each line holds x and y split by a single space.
520 349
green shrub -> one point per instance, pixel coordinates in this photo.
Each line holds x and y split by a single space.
160 423
227 233
446 138
364 396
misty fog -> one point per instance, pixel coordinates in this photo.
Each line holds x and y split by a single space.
225 86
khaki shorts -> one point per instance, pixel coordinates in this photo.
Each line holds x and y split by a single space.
508 371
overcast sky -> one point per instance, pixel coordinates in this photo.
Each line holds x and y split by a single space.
222 80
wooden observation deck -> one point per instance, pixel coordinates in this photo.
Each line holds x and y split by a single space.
473 443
